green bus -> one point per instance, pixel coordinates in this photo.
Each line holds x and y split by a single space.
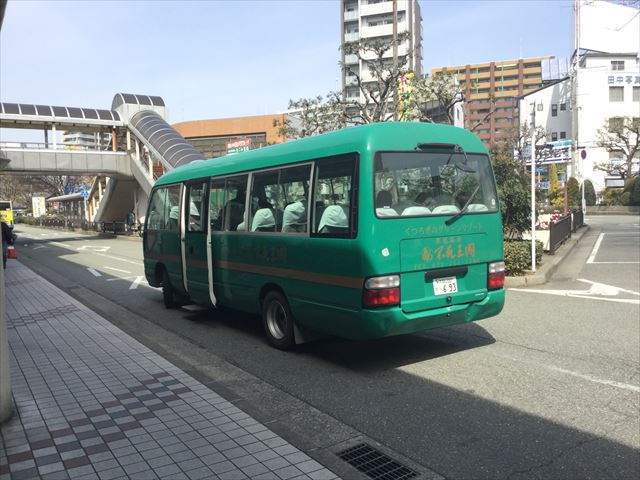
367 232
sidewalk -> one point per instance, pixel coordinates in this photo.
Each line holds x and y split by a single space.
92 402
549 264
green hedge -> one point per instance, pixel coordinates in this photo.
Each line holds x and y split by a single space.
517 256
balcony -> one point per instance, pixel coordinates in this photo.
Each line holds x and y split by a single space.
351 59
351 16
351 37
350 81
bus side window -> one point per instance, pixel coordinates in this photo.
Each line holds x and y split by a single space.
264 199
155 220
332 196
172 209
235 193
216 204
197 207
294 188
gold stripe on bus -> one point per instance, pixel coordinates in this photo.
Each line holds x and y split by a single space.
337 280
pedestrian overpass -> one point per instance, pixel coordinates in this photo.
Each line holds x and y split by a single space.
134 146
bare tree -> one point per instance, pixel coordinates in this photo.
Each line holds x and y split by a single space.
378 82
620 136
441 89
312 116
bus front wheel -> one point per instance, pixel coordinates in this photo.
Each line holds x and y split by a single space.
278 321
169 295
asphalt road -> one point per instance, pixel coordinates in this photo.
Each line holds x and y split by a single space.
548 389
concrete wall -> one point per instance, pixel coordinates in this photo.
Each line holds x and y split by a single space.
613 210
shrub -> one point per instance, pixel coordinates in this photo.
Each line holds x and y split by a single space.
514 197
573 192
635 193
589 193
625 198
517 256
612 197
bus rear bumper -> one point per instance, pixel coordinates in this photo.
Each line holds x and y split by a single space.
393 321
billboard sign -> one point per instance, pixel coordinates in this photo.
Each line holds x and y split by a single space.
237 146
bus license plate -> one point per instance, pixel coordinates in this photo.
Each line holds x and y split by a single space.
445 286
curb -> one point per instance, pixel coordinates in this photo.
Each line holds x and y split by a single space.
549 267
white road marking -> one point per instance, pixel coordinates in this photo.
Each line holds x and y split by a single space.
94 248
592 293
58 244
39 247
584 376
135 283
119 259
601 263
592 257
117 269
94 272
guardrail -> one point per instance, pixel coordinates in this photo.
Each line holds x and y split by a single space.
72 224
52 146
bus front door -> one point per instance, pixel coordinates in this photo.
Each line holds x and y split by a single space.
195 242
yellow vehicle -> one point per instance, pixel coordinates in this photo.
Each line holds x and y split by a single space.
6 212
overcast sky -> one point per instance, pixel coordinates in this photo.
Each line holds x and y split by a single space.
221 59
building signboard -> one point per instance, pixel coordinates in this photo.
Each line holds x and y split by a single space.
623 79
38 207
237 146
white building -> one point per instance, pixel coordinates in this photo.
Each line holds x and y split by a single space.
549 107
86 140
364 19
606 79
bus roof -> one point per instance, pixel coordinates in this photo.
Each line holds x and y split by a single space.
372 137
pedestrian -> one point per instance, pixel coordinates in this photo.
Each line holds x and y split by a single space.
131 220
7 239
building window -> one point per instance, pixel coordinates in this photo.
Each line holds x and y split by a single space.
636 94
540 107
554 136
554 110
616 94
563 135
563 107
617 64
616 123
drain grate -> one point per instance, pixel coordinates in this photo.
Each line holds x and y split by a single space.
375 464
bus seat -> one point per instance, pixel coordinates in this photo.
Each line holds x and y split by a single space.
386 212
477 207
294 218
416 210
333 220
446 209
263 221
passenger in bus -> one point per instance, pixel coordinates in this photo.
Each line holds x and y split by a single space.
263 221
333 220
383 204
174 215
294 218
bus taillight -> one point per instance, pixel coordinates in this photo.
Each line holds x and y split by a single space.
495 279
381 291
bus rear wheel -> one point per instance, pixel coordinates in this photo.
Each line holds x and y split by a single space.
169 295
278 321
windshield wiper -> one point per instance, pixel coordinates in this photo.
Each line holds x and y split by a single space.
450 220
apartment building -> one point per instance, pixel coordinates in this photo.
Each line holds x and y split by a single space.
501 82
373 19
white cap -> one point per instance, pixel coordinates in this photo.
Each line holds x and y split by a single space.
263 219
333 216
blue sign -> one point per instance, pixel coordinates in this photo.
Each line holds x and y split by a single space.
85 193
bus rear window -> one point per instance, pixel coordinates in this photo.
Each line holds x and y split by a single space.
417 184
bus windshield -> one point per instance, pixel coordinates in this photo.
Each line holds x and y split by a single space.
417 184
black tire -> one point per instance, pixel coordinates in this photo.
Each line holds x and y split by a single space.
278 321
169 295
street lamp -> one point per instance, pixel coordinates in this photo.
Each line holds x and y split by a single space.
533 187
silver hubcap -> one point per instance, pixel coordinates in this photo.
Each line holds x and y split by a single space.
276 320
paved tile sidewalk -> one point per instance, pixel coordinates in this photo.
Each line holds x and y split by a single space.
92 402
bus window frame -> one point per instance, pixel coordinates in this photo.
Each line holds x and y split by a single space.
282 167
206 181
353 197
377 155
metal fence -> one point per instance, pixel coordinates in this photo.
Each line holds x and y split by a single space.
116 228
577 220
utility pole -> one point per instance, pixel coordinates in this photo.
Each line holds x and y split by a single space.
533 188
395 58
